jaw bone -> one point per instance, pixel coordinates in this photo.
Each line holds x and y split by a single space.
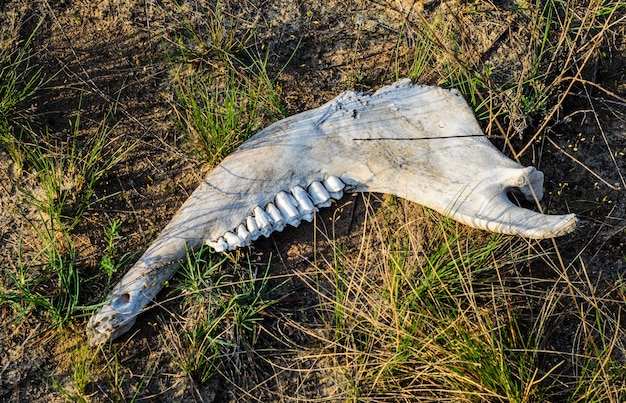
416 142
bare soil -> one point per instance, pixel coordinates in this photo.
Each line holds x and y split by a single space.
112 57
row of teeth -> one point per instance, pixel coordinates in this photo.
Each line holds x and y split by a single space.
288 208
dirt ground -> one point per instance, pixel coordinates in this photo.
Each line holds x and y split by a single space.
111 57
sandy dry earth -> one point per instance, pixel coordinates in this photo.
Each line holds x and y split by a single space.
110 57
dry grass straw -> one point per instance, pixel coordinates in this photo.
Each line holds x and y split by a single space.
555 46
428 310
420 314
224 91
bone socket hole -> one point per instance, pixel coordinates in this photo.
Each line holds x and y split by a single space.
517 197
121 301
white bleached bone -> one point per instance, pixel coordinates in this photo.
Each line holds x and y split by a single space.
252 228
277 218
264 221
288 208
416 142
233 240
306 208
243 234
219 246
319 194
334 186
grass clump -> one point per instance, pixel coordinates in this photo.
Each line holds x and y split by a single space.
47 283
557 43
82 365
219 113
436 324
68 171
111 262
224 91
224 305
49 280
439 312
57 176
19 82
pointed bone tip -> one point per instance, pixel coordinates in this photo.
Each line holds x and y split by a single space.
557 226
96 333
500 215
544 226
107 324
537 226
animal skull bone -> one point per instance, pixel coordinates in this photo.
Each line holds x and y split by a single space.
417 142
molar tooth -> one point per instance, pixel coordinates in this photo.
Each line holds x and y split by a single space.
264 222
287 206
244 234
252 228
305 206
307 217
349 182
334 186
233 240
274 213
319 194
219 246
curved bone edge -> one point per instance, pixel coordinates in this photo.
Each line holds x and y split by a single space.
445 153
487 206
514 220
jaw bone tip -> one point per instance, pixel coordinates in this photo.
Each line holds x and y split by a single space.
566 224
554 226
